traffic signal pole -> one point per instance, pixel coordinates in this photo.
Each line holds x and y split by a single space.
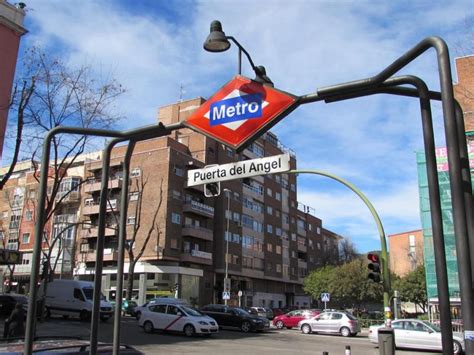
378 222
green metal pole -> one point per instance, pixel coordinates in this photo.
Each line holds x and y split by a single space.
383 242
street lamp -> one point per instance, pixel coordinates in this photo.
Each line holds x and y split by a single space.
226 279
217 42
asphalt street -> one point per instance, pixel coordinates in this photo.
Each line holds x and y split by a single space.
227 341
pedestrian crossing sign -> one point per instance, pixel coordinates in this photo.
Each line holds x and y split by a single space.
226 295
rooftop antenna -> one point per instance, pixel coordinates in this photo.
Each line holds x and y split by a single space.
181 92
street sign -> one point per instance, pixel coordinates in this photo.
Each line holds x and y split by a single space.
242 169
226 295
241 111
239 293
325 297
227 284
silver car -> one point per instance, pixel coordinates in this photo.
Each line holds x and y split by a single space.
331 322
417 334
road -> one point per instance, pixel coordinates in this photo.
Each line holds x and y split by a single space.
228 342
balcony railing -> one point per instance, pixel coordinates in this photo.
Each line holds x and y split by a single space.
92 209
197 257
65 218
109 255
95 185
199 208
198 232
94 232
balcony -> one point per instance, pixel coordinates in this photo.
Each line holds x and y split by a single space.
94 232
109 255
302 264
197 257
198 208
71 197
301 247
253 191
94 185
91 209
198 232
65 218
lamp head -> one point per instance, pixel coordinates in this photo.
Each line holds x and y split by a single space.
261 76
217 40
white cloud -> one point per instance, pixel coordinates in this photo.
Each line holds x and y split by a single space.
305 45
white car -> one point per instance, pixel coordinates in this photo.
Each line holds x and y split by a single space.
176 318
143 308
417 334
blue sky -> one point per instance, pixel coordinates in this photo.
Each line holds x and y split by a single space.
154 47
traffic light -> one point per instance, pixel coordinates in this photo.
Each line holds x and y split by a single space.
212 189
374 267
44 270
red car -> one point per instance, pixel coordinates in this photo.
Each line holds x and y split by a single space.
291 319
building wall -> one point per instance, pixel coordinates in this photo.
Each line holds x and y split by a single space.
11 29
464 89
406 251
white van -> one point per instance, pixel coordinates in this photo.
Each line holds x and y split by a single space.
73 298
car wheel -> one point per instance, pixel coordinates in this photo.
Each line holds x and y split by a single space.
84 315
189 330
345 332
457 348
306 329
148 327
245 327
280 324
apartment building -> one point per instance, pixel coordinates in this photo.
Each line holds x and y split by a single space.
272 241
406 251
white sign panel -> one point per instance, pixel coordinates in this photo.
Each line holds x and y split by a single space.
242 169
226 295
325 297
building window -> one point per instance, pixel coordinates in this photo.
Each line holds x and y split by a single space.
293 254
269 210
25 238
293 237
236 217
84 247
131 220
176 194
89 202
136 172
174 243
278 267
278 249
318 230
175 218
278 232
134 196
269 228
293 187
29 215
270 247
230 152
278 196
269 191
278 213
269 266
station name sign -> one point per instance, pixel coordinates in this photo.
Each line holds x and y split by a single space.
242 169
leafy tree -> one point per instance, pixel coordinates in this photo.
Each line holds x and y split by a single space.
348 284
412 287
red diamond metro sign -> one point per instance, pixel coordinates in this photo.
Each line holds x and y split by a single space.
241 111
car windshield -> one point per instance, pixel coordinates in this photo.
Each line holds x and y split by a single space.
241 312
89 293
192 311
433 326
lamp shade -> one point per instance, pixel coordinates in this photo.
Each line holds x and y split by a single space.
217 40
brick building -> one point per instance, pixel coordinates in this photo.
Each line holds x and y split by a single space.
11 30
273 241
464 91
406 251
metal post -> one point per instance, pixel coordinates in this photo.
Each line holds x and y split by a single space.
121 248
240 61
99 253
227 192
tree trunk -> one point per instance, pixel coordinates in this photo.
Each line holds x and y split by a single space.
131 273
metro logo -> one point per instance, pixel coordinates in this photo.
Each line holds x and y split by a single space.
241 111
236 109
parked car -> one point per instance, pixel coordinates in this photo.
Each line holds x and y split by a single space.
291 319
257 311
8 302
73 298
176 318
128 307
418 334
143 308
331 322
235 317
277 312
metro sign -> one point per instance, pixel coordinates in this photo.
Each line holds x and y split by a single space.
241 111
